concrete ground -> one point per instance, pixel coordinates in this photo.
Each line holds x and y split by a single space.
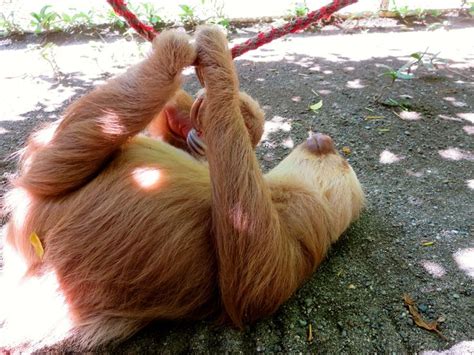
410 144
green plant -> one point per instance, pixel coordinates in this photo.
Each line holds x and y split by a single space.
112 18
188 16
81 18
45 20
47 52
471 8
151 15
8 25
299 9
406 72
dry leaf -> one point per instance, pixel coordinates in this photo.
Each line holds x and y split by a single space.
384 130
310 332
346 150
419 321
427 244
36 243
351 286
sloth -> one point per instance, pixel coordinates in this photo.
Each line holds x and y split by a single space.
124 228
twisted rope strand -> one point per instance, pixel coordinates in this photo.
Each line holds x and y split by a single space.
298 24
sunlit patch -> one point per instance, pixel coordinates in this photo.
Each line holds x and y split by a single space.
469 130
450 118
188 71
288 143
456 154
355 84
110 124
240 219
44 136
21 199
468 116
146 177
296 99
349 69
414 173
465 260
387 157
277 123
260 79
434 269
470 184
409 115
454 101
315 68
3 130
324 92
35 312
327 72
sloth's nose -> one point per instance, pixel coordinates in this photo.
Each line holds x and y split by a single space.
320 144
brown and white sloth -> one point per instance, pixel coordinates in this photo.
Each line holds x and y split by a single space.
124 229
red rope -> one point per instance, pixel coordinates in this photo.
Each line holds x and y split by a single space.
298 24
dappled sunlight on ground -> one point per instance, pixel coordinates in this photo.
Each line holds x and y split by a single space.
415 173
355 84
468 116
433 268
409 115
277 123
469 130
456 154
368 46
465 260
26 87
470 184
387 157
461 348
453 101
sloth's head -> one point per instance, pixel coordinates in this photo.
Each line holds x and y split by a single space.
317 164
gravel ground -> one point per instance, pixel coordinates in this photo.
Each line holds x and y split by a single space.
416 165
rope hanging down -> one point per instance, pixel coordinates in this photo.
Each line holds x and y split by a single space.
298 24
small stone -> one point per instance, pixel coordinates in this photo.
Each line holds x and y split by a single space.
455 295
423 307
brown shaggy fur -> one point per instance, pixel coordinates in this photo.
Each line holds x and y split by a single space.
135 229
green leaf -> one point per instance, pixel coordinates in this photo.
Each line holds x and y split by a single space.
315 107
416 55
404 76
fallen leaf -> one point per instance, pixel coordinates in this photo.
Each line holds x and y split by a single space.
427 244
315 107
351 286
36 243
310 332
419 321
384 130
346 150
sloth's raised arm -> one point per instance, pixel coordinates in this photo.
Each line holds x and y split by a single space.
97 124
260 266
